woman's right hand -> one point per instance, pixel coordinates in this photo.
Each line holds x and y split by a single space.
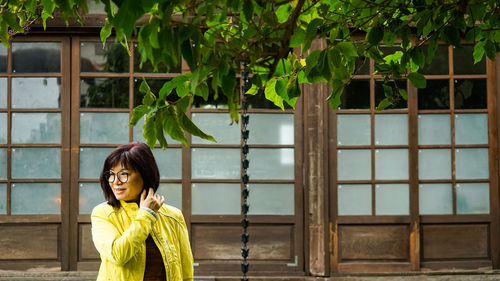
151 200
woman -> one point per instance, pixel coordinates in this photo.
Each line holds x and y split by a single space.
137 237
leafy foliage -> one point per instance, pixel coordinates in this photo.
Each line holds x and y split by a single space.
215 36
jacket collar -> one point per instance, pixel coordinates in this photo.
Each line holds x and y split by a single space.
129 206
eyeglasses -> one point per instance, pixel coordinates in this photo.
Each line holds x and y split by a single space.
111 176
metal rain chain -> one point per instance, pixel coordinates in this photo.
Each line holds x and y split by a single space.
244 177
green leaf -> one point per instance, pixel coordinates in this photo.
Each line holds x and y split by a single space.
148 131
490 49
312 59
137 114
159 133
417 80
11 20
172 126
253 90
202 91
106 31
311 33
389 38
452 36
383 104
297 38
190 127
283 12
374 35
347 48
271 95
248 10
418 57
387 90
167 88
148 98
479 51
229 83
336 94
403 93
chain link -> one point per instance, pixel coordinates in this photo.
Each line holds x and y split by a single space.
245 163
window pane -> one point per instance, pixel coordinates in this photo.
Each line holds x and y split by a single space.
94 57
36 198
354 164
3 59
356 95
3 127
473 198
3 198
270 129
215 199
470 94
221 101
172 193
91 195
439 65
380 95
391 164
104 128
41 163
435 199
355 199
3 163
472 163
435 96
104 92
463 61
169 162
391 129
471 128
3 92
392 199
434 164
137 134
434 129
92 161
275 163
36 57
36 92
219 126
353 129
215 163
271 199
36 128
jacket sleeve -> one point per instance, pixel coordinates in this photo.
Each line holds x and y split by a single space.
118 247
185 249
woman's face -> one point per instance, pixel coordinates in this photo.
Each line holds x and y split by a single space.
129 190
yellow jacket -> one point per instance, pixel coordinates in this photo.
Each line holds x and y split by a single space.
119 236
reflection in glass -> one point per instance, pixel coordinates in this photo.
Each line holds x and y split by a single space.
397 102
94 57
434 129
471 128
155 85
36 57
470 94
36 163
104 92
434 164
103 127
391 129
137 134
96 7
472 163
354 199
36 92
473 198
215 163
172 193
392 199
271 199
435 96
435 199
36 198
91 161
356 95
90 195
147 67
271 163
439 65
3 163
354 164
219 126
463 61
215 199
169 162
36 128
3 127
3 92
270 129
3 198
3 59
353 129
391 164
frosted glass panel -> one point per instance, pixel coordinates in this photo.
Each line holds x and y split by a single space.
271 129
3 198
36 92
3 92
391 164
172 193
472 163
271 199
215 199
217 125
354 164
92 161
392 199
275 163
91 195
434 129
434 164
36 128
41 163
3 163
169 162
353 129
36 198
104 128
391 129
471 128
215 163
473 198
435 199
137 134
3 127
355 199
